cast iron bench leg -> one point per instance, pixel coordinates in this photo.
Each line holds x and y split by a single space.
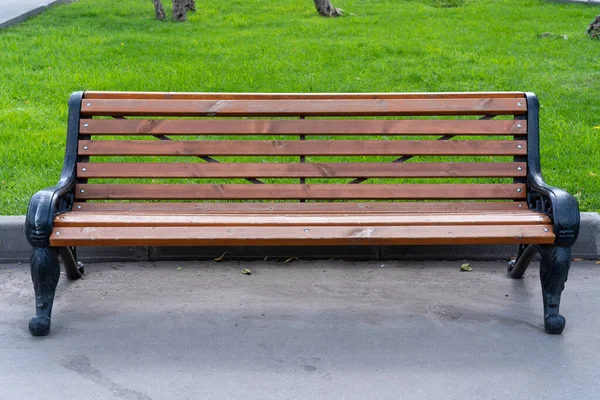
525 254
554 269
45 270
73 268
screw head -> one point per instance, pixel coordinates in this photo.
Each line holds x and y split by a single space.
58 233
545 229
82 191
518 104
84 169
85 147
518 125
86 125
89 104
520 205
306 230
519 146
78 206
518 169
518 189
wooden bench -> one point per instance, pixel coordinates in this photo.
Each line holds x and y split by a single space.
205 169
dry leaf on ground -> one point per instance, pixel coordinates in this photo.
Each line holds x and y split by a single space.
466 268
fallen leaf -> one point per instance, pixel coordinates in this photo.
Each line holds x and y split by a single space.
597 127
179 268
220 258
466 268
578 259
246 271
289 260
598 262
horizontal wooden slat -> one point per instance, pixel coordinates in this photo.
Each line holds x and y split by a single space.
266 208
86 219
297 170
228 108
287 96
298 191
302 127
298 235
305 147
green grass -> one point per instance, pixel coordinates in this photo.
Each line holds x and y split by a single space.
283 46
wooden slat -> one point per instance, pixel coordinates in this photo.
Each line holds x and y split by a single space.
298 191
288 96
266 208
298 170
302 127
228 108
298 235
305 147
86 219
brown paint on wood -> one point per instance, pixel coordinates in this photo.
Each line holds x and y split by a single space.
305 147
297 191
83 219
268 208
299 170
287 96
302 127
299 235
228 108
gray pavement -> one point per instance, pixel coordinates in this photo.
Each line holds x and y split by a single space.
303 330
14 11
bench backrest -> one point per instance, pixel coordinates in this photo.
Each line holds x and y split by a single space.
446 146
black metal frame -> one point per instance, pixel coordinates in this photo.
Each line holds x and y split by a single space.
43 208
560 206
563 210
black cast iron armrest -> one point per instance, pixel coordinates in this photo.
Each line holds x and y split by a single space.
43 207
47 203
559 205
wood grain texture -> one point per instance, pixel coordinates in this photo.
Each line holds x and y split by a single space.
270 208
298 170
301 127
287 96
83 219
299 235
317 107
304 147
298 191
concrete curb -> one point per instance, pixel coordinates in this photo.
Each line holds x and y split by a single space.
17 12
14 248
593 2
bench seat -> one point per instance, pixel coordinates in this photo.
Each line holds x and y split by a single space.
300 224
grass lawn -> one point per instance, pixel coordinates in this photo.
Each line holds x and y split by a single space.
284 46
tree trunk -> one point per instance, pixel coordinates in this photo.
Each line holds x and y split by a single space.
159 10
594 28
190 5
179 10
325 8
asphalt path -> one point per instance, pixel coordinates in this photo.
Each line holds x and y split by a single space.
300 330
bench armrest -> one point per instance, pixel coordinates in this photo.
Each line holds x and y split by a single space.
47 203
43 207
559 205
